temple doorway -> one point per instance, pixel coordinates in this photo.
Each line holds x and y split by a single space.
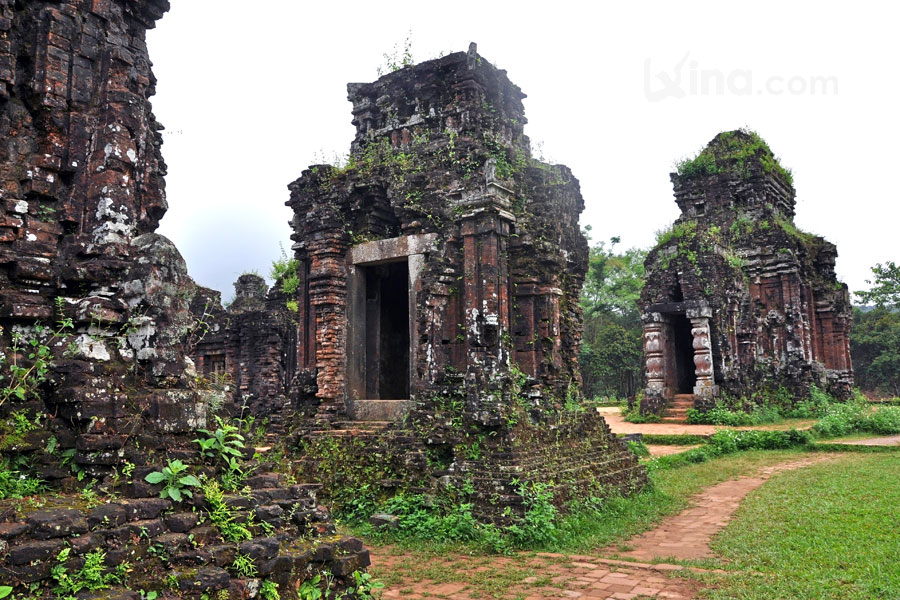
685 372
387 331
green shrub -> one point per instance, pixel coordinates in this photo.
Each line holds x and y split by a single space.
639 449
813 407
674 439
634 416
885 420
718 415
445 519
840 419
721 415
728 441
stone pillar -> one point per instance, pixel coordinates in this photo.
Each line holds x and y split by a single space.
328 304
485 228
654 357
655 394
705 386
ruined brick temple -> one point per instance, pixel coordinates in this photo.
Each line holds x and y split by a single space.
738 301
433 295
439 276
81 195
442 255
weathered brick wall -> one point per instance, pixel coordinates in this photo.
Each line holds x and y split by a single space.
777 315
81 178
81 194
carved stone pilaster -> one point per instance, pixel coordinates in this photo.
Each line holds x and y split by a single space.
705 386
654 357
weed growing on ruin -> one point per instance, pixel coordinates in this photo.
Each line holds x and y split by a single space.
67 459
734 152
309 589
177 482
223 443
243 566
93 576
285 271
364 586
537 527
351 471
26 365
268 590
222 516
15 478
678 231
398 58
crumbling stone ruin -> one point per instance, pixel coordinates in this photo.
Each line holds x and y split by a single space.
249 349
88 287
739 302
439 274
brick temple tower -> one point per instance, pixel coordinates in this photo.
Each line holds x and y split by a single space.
738 301
442 256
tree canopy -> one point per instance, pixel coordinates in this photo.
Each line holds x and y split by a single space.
611 363
885 286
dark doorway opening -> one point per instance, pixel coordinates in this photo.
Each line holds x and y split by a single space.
387 331
684 354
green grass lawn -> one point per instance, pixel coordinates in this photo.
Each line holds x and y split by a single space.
829 531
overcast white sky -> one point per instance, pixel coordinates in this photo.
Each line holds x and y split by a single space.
253 92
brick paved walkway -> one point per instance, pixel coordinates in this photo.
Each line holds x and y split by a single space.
688 534
532 577
618 424
892 440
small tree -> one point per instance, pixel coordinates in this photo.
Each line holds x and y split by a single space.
610 357
875 337
886 286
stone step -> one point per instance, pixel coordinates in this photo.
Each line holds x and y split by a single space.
379 410
352 428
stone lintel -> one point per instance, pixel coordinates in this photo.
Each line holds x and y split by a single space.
392 249
534 289
692 309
